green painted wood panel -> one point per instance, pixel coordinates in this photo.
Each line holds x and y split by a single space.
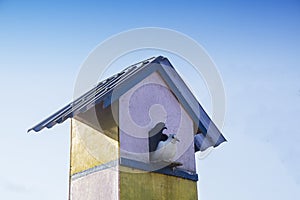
154 186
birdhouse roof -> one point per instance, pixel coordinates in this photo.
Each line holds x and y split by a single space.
121 82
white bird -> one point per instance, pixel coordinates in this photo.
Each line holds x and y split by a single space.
166 150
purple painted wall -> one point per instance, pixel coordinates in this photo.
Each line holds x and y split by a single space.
141 108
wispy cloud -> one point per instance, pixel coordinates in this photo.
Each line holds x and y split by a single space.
13 187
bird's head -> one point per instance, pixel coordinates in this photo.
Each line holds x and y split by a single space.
174 138
161 126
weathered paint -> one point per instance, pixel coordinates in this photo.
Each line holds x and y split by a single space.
90 147
152 186
141 108
97 186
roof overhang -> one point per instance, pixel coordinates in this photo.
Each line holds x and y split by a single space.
109 90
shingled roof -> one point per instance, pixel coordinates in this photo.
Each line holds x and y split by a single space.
126 79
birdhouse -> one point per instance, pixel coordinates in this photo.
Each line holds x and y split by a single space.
135 134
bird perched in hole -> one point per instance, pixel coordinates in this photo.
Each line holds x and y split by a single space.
156 135
166 150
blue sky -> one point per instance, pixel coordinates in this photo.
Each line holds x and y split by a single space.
254 44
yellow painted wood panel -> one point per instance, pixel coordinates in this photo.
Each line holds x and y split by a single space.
154 186
90 147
